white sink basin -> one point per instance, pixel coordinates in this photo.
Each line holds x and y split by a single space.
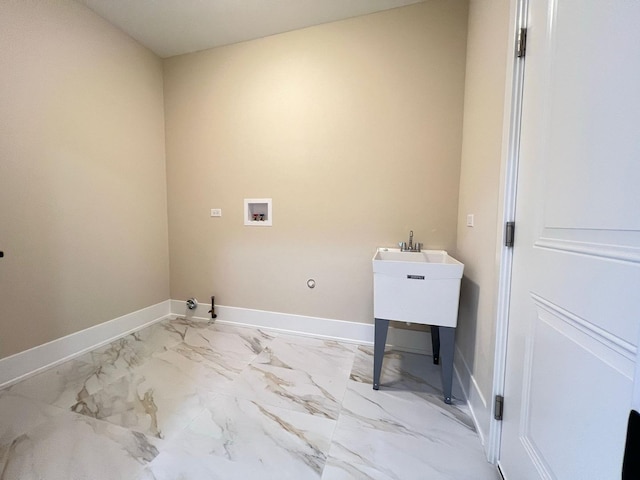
430 263
417 287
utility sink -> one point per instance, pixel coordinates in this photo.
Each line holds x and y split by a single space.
417 287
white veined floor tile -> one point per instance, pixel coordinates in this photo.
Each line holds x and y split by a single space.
71 446
323 357
403 371
270 442
19 414
58 385
196 400
407 457
297 390
403 412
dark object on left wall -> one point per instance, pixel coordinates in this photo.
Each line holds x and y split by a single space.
213 311
631 462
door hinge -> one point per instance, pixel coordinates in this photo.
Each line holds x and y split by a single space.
509 234
521 43
498 406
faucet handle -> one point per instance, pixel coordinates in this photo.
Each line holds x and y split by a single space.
403 246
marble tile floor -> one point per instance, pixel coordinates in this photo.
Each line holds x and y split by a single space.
195 400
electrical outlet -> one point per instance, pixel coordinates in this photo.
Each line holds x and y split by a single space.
216 212
470 220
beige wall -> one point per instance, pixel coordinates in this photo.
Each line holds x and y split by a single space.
353 128
480 185
83 220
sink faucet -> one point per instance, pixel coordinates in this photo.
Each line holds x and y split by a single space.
411 247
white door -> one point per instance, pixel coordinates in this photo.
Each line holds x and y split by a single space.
575 300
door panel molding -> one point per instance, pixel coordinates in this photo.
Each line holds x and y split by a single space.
536 458
614 351
555 333
621 253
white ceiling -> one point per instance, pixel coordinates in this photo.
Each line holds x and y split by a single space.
174 27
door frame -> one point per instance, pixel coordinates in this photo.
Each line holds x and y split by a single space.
512 115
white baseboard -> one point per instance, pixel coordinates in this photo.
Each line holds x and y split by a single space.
341 330
475 399
27 363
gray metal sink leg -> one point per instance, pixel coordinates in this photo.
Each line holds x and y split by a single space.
435 344
381 329
444 341
447 342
